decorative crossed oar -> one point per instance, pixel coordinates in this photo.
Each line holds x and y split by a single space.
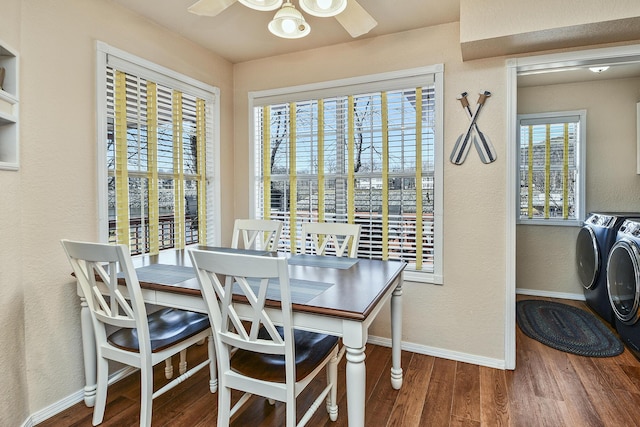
480 140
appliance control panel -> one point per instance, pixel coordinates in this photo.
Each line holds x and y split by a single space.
601 220
630 228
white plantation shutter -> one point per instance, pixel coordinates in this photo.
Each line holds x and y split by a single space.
158 134
367 158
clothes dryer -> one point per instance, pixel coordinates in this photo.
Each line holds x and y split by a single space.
623 283
594 241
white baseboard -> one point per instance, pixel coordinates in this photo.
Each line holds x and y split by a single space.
59 406
466 357
550 294
442 353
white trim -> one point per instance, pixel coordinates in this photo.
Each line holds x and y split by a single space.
422 277
101 155
441 353
421 76
583 58
143 68
510 223
551 294
213 177
67 402
438 207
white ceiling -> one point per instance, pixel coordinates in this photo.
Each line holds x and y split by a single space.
240 34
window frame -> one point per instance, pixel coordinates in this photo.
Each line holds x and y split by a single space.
554 118
165 76
369 83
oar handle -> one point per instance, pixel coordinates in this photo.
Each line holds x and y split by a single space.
483 97
463 100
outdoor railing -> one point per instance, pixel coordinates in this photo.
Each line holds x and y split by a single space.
139 232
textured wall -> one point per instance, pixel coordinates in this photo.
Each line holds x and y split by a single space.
505 27
495 18
14 406
58 170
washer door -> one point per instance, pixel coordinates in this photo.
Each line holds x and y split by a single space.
587 257
623 280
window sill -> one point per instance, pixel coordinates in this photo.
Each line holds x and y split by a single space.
554 222
420 277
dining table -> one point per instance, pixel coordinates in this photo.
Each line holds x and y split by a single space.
333 295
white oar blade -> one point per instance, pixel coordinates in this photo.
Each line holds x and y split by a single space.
209 7
355 19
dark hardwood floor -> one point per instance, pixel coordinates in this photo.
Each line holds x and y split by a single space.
547 388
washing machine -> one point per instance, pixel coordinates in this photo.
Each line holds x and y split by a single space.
623 283
595 239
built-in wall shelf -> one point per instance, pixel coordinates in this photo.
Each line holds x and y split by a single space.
9 109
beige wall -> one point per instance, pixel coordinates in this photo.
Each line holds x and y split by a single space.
14 405
495 18
54 194
467 313
492 28
546 255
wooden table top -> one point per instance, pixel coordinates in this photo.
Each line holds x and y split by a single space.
357 285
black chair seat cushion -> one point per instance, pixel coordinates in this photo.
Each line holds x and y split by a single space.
166 327
311 349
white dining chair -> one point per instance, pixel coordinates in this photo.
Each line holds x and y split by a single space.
247 234
330 238
254 355
261 234
113 295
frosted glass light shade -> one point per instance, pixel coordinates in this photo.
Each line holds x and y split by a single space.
289 23
323 8
264 5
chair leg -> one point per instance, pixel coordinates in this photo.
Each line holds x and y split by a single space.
291 410
168 368
146 395
182 366
213 375
224 406
102 376
332 378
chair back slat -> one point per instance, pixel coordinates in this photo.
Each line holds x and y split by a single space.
256 234
108 305
255 356
325 238
249 277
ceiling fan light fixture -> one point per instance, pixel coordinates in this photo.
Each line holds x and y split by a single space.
289 23
323 8
263 5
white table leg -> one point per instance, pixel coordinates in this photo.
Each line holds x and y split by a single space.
89 353
396 336
356 384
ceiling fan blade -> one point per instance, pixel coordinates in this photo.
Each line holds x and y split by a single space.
355 19
209 7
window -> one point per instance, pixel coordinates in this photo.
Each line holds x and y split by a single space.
156 143
551 166
365 151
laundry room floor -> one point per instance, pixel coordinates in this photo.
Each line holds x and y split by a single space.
547 388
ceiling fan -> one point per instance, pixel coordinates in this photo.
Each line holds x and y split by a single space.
353 17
